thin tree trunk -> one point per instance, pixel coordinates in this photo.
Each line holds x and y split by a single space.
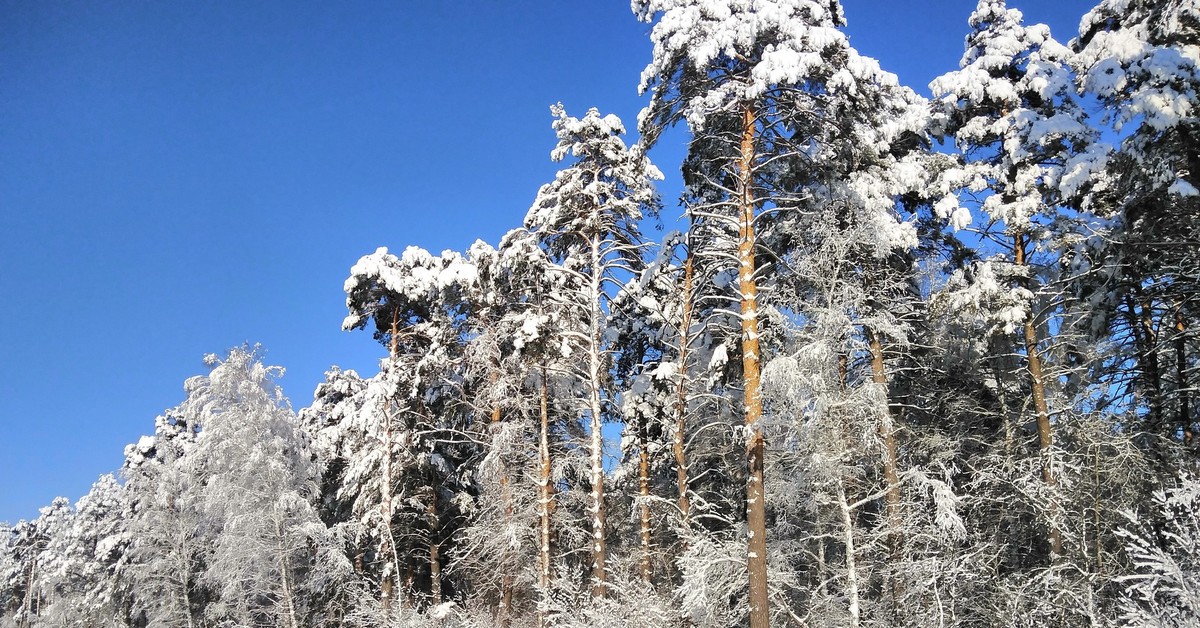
887 434
285 572
852 596
503 613
756 510
185 575
681 393
30 587
435 559
1033 362
1150 331
387 579
599 546
1146 357
644 493
544 497
1185 417
822 570
1096 511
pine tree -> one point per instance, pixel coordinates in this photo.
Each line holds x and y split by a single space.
1012 111
587 218
411 413
1140 60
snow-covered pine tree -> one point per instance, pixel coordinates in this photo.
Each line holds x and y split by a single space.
1012 111
32 558
335 444
414 415
88 573
587 219
1141 59
780 108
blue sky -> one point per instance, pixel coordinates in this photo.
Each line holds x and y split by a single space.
179 178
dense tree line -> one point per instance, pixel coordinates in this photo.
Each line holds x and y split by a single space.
910 362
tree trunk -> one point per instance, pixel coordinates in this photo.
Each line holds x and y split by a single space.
644 493
185 576
756 510
1158 410
388 578
27 605
1146 356
285 573
435 559
544 497
1185 417
503 612
681 393
852 595
887 434
595 373
1033 362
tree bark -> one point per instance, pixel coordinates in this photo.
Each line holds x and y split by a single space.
387 579
503 612
435 559
852 595
1037 383
1185 417
756 511
1147 358
285 572
27 605
599 545
681 393
544 497
644 493
887 434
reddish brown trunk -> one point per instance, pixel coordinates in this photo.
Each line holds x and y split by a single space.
756 511
1033 363
681 392
887 433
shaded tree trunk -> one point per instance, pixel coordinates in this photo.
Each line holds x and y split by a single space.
435 559
1185 416
504 611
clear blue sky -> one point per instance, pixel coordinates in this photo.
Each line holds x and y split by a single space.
177 178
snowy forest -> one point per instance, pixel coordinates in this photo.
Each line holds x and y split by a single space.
905 361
